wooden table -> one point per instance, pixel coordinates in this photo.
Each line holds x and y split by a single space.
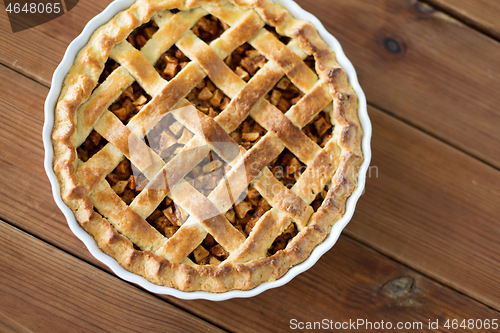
423 244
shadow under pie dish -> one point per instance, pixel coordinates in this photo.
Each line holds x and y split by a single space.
207 145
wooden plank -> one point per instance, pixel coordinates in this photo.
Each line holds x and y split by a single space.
43 289
25 192
424 67
433 208
37 52
480 14
420 211
349 282
39 293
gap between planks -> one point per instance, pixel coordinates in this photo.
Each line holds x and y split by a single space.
473 23
416 269
428 133
107 270
388 291
401 119
414 126
29 254
358 240
423 115
179 304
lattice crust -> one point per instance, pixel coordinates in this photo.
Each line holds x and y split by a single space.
85 112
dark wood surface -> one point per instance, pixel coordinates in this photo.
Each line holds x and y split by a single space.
447 65
423 243
47 290
480 14
443 77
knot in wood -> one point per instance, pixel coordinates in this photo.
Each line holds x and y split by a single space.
393 45
399 287
423 8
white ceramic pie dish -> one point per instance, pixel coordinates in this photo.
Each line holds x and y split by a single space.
50 103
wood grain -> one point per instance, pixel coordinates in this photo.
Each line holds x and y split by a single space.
347 283
433 208
36 52
419 203
43 289
25 192
481 14
441 75
422 66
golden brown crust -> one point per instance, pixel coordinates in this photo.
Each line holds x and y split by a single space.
247 266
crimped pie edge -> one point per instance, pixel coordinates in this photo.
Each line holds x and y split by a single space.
77 88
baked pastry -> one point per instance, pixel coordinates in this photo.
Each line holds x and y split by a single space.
207 145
